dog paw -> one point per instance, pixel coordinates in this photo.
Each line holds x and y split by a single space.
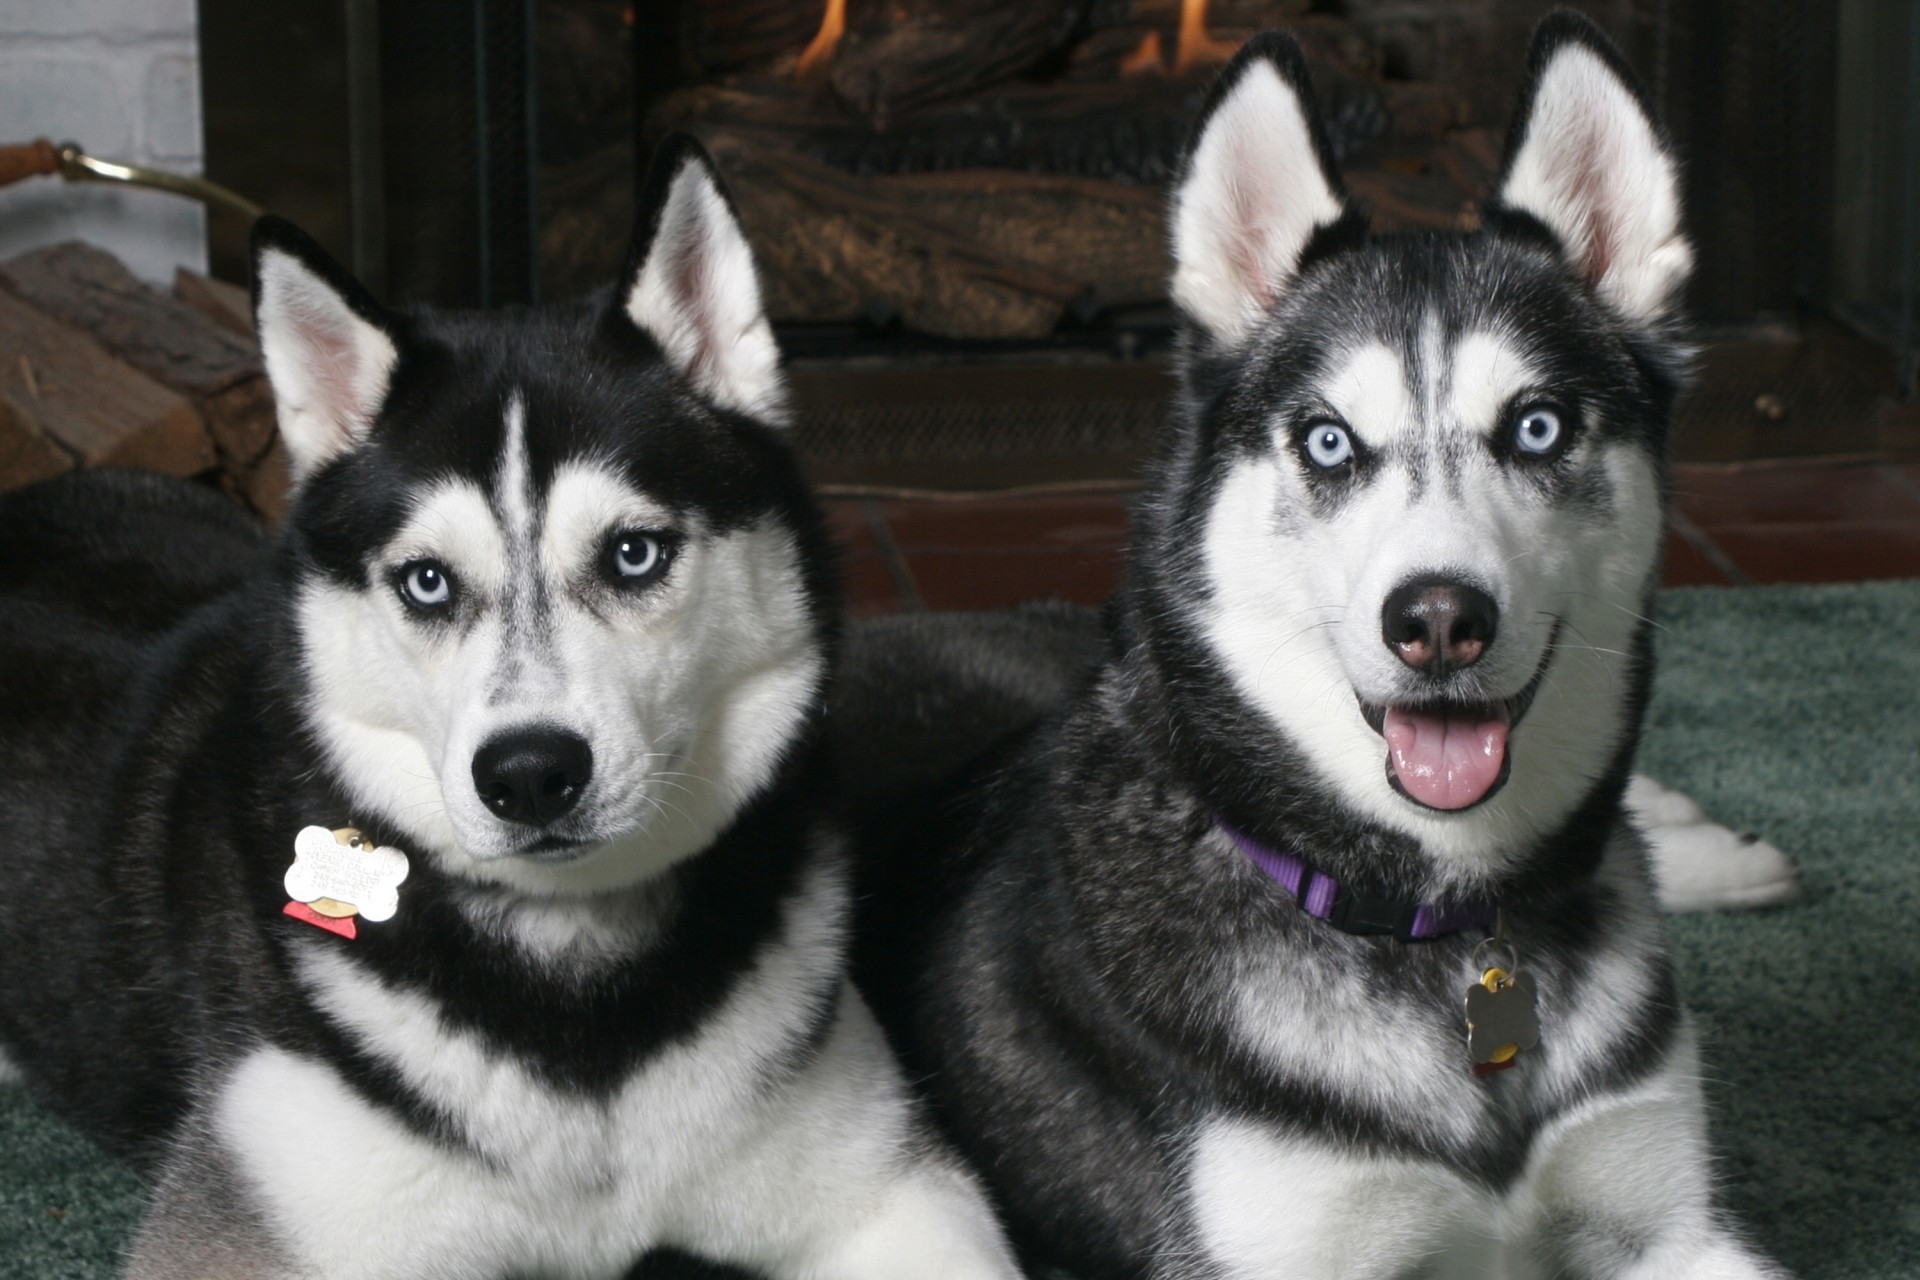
1656 806
1700 865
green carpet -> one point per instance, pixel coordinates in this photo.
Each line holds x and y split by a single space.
1794 711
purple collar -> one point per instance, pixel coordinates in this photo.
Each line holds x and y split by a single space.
1324 898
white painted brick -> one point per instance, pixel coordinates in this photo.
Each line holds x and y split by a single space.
113 21
173 112
83 98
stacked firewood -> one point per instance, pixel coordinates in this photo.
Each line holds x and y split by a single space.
988 168
97 369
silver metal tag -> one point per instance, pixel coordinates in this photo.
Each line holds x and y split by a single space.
1501 1021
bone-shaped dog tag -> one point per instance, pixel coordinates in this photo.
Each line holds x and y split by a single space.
1500 1020
337 875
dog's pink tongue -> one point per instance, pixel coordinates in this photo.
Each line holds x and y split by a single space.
1446 761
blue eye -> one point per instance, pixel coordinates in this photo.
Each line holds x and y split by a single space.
634 558
426 585
1328 445
1537 431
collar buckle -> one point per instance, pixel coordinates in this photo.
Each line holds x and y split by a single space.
1373 917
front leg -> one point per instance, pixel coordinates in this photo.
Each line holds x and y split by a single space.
844 1180
935 1215
1624 1187
1700 865
1263 1204
201 1224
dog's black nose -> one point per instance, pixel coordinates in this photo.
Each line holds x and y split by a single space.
1438 625
532 775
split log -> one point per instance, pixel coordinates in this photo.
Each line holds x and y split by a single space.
27 454
898 56
101 410
162 337
265 487
227 305
242 421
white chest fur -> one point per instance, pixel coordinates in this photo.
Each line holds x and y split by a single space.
705 1146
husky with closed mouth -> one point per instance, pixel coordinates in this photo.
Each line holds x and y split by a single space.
445 890
1314 940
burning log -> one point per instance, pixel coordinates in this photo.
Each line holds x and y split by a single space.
724 35
901 55
965 255
1125 132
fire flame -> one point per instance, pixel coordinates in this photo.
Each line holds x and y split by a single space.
1145 57
1195 45
820 50
1194 48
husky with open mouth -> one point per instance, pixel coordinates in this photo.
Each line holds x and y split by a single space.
1314 940
447 890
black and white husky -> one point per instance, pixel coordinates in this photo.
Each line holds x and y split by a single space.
531 686
1314 940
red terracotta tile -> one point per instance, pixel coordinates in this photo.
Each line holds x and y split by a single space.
847 522
869 587
1075 522
1685 566
994 580
867 582
1851 552
1714 497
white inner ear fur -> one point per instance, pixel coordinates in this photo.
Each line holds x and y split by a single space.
1252 198
1592 168
329 368
698 297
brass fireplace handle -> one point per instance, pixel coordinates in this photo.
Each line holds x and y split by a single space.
75 165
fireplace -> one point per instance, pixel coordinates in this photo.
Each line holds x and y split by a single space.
939 190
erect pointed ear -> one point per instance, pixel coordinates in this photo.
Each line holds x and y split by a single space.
1259 182
1585 157
690 284
328 346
